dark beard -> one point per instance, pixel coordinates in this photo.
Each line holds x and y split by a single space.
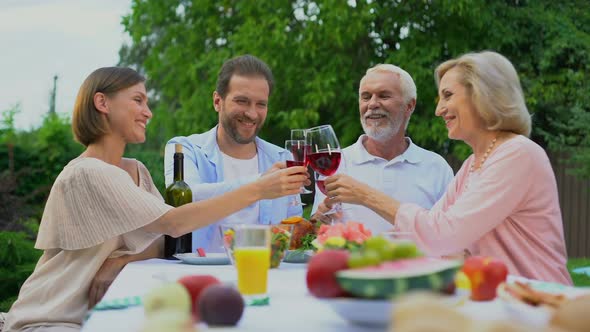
230 126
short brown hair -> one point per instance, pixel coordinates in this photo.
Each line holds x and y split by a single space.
88 124
495 90
244 65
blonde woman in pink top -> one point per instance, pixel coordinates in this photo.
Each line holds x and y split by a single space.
503 201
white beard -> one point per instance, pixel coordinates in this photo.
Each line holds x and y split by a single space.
383 132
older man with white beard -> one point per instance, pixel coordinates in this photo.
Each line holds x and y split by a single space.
384 158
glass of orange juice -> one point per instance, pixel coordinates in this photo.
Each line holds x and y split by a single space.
252 260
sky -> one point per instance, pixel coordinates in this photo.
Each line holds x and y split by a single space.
43 38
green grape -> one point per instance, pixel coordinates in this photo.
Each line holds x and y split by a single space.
387 252
383 246
405 250
375 243
356 260
372 257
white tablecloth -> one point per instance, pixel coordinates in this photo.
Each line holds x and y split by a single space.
291 307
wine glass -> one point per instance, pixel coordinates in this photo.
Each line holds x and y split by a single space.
298 134
299 150
298 158
324 155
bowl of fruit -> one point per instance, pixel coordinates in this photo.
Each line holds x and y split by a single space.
280 239
382 268
228 233
279 243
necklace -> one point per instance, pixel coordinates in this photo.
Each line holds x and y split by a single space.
485 156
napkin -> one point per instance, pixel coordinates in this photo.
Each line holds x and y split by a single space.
120 303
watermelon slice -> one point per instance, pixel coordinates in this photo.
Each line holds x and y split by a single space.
394 278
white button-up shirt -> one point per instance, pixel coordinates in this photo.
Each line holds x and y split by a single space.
416 176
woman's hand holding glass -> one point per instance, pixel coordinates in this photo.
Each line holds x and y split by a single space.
341 188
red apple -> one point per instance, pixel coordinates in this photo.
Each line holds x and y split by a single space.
485 274
195 284
321 273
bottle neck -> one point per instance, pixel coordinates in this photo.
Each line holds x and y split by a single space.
178 167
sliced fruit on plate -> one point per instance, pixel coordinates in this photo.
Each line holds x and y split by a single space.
292 220
394 278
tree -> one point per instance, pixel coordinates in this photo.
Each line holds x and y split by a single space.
320 49
8 134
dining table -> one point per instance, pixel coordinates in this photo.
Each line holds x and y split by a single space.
291 306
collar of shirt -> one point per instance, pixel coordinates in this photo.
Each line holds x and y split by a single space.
360 155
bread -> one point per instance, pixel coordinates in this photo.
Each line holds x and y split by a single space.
411 309
573 315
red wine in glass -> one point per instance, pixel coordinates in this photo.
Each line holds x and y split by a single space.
291 163
325 162
321 186
299 150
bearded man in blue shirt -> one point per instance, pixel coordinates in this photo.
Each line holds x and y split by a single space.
231 154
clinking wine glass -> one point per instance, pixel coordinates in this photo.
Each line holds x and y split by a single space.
297 150
299 135
324 155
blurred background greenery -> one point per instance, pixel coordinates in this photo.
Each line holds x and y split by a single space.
318 51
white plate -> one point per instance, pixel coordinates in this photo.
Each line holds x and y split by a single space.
362 311
297 256
213 258
534 315
522 312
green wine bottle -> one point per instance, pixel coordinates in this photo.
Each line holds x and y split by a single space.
177 194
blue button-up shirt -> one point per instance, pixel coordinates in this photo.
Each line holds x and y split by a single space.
203 172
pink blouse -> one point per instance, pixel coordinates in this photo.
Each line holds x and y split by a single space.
508 209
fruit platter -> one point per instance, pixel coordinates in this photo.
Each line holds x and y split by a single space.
359 275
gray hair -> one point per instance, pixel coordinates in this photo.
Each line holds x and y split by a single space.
407 84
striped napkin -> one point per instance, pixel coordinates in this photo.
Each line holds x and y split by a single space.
120 303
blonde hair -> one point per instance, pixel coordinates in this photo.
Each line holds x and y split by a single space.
495 90
88 125
407 84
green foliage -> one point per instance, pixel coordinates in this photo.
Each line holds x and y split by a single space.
35 157
580 280
7 130
153 160
6 303
320 49
17 261
16 249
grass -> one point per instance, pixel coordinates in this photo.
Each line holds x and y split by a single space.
579 279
